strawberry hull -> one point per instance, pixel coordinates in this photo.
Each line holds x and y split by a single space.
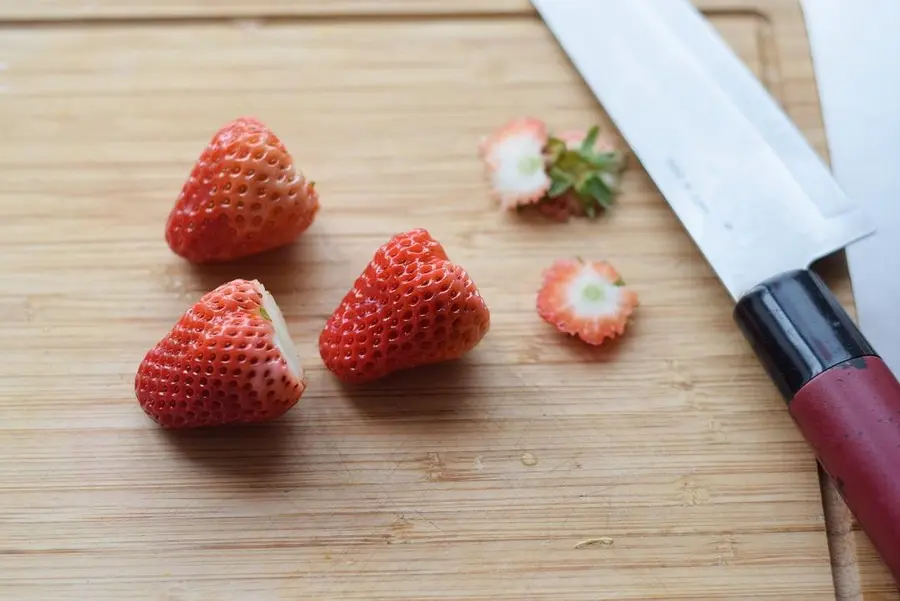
586 299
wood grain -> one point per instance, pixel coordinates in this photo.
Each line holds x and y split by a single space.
663 467
67 10
131 9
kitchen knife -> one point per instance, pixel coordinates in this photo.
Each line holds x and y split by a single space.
752 214
856 57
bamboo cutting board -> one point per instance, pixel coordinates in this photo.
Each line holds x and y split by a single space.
663 467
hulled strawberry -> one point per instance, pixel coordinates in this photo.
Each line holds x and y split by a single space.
228 360
514 158
587 299
411 306
244 196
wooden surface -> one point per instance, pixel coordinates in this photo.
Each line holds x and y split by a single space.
129 9
104 10
664 467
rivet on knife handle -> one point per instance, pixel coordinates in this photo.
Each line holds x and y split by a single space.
842 396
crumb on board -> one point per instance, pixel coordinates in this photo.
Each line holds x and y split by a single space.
603 541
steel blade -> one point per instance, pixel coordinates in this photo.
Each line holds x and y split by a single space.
757 104
741 203
856 57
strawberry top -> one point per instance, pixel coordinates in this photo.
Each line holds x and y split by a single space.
587 299
411 306
244 196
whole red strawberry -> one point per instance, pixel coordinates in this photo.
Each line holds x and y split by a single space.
410 307
244 196
228 360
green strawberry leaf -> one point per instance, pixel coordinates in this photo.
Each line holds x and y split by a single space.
598 189
554 150
591 175
561 182
587 145
557 173
558 188
605 161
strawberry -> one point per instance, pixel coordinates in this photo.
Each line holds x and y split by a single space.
244 196
587 299
514 159
411 306
228 360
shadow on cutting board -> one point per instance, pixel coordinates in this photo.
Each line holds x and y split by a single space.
280 271
443 390
257 454
607 352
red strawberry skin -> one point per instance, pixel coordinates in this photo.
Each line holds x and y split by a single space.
220 364
244 196
411 306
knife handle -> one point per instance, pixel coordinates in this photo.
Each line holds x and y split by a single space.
843 398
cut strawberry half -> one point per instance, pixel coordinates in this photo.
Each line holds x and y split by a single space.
514 156
587 299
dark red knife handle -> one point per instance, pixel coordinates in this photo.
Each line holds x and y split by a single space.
843 398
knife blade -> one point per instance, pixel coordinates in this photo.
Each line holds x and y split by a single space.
650 74
859 90
760 107
759 221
